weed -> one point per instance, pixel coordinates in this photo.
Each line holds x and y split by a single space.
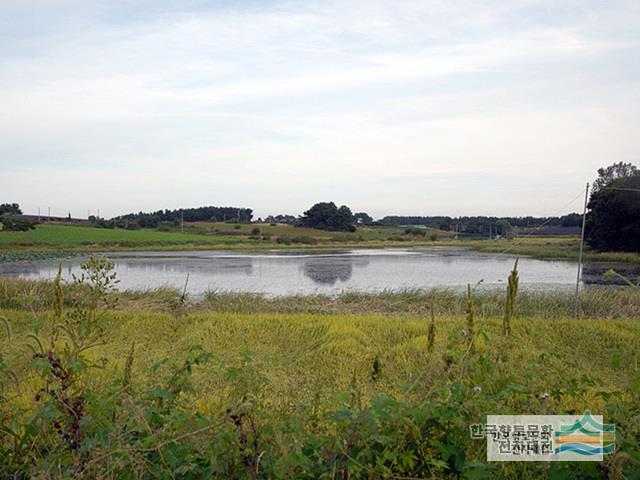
512 291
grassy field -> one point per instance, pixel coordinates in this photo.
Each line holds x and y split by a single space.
325 392
67 238
143 385
56 239
63 236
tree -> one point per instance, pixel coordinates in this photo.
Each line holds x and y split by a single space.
362 218
504 228
613 172
613 220
327 216
11 208
571 220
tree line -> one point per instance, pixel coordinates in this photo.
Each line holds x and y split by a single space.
157 218
612 222
480 224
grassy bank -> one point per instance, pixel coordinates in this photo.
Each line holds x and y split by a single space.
53 239
595 303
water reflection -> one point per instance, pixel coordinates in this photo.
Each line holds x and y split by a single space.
328 270
281 273
215 266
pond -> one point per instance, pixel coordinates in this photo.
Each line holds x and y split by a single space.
282 273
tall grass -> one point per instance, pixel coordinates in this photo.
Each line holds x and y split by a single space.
595 302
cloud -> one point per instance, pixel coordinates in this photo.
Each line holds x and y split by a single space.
251 101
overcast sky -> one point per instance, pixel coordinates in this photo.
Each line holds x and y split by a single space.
391 107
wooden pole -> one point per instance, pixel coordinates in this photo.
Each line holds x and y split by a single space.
584 221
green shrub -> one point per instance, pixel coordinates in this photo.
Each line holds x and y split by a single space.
301 239
16 225
417 232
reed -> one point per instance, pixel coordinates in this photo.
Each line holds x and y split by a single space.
510 304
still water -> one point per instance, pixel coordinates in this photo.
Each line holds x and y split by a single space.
280 273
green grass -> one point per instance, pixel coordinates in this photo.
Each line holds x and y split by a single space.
67 238
550 248
292 365
62 236
54 238
302 354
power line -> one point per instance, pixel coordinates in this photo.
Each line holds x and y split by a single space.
536 229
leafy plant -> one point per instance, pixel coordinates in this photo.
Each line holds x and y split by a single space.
512 292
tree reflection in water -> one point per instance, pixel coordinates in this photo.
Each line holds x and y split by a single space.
328 270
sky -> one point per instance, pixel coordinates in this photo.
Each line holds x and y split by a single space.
390 107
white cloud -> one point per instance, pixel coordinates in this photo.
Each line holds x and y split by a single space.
278 106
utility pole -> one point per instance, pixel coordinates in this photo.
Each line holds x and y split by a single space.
38 214
182 221
49 215
584 221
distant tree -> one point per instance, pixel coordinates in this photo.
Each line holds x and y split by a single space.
571 220
613 220
362 218
504 228
613 172
11 208
200 214
327 216
281 219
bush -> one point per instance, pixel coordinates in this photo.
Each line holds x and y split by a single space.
418 232
255 231
14 225
236 227
287 240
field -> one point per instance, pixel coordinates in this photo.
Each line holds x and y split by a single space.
64 236
58 238
145 385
